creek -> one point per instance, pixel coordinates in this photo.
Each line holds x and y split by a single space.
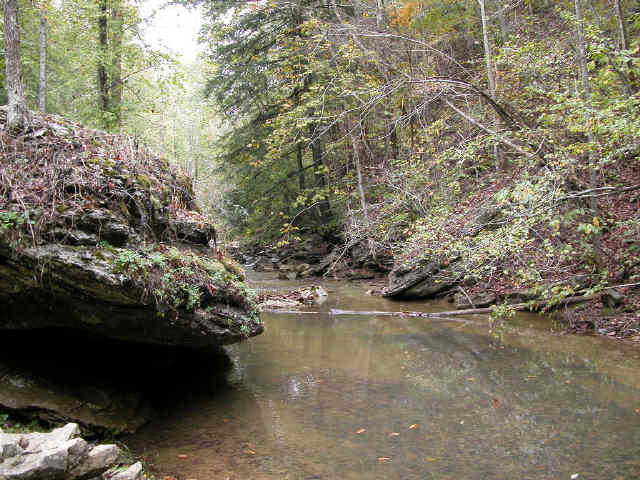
357 397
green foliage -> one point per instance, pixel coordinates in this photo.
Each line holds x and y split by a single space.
9 424
176 279
11 221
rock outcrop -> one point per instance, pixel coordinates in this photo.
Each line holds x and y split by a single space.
99 236
59 455
427 277
424 278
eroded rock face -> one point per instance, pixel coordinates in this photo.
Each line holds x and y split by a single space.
65 286
94 407
110 244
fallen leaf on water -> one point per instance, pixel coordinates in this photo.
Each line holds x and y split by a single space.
496 403
394 434
183 456
415 425
384 459
225 420
249 451
638 410
430 459
362 430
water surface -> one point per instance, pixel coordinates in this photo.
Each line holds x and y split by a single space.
366 397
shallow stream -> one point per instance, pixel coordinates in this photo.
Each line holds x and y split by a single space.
367 397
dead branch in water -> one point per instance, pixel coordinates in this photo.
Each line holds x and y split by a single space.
456 313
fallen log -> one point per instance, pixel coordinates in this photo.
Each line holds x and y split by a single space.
291 312
453 313
469 311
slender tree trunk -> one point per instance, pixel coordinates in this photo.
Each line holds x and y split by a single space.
356 161
42 97
300 167
487 50
624 43
586 92
103 81
116 64
379 13
490 74
394 142
624 79
316 152
17 114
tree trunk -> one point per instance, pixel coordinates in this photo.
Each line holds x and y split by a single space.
42 97
490 73
103 81
356 161
624 45
301 181
624 42
116 64
321 182
17 113
586 92
379 13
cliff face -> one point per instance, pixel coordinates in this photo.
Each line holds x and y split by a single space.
101 236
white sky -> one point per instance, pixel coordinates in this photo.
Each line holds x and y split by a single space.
171 27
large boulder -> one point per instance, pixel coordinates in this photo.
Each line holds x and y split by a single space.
104 238
58 455
423 279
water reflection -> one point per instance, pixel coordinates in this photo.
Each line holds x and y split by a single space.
320 397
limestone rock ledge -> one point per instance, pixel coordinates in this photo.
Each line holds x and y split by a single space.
60 455
101 236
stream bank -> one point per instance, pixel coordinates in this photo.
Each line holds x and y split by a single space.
579 301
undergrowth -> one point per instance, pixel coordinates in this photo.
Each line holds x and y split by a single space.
175 279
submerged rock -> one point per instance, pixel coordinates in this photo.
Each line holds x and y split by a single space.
110 244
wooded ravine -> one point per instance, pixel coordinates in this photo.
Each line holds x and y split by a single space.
486 152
